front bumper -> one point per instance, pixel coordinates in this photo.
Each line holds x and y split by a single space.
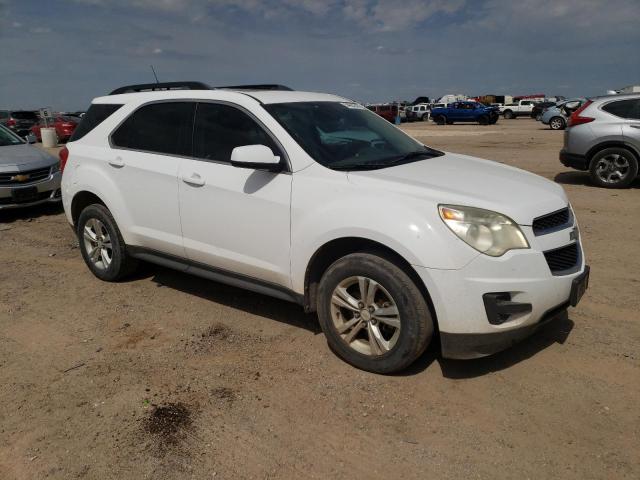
476 345
48 192
573 160
529 294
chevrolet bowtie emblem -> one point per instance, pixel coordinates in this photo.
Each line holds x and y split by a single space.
20 178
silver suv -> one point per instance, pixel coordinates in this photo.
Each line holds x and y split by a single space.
604 138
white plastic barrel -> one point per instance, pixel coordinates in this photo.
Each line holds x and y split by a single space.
49 137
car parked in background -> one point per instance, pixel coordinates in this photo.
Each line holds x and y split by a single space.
28 175
603 137
65 125
521 108
558 116
539 108
388 111
465 112
418 112
19 121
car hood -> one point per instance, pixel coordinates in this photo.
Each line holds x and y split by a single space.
463 180
24 157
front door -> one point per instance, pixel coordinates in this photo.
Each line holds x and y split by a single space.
234 219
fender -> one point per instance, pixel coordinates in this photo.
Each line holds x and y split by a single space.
88 176
327 207
613 143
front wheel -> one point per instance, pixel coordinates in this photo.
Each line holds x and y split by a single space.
372 314
613 168
557 123
483 120
101 244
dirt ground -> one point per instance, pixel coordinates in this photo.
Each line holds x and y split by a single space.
170 376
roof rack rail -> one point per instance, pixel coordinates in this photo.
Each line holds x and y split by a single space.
152 87
265 86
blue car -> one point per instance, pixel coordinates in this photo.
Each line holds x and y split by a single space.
465 112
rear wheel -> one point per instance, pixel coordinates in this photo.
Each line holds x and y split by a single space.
509 114
101 244
613 168
373 315
440 119
557 123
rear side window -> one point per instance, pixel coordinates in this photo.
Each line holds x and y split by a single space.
96 114
164 127
221 128
624 108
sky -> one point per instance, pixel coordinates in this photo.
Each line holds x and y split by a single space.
63 53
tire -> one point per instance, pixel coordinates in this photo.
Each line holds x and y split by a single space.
483 120
440 119
400 346
557 123
508 114
538 118
95 228
613 168
424 117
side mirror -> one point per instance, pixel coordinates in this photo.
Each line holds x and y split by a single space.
31 138
572 106
255 157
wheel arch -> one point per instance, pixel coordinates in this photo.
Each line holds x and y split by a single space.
337 248
612 144
80 201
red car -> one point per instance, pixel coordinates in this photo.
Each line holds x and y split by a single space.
387 111
64 126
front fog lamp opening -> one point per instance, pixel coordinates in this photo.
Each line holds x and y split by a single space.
488 232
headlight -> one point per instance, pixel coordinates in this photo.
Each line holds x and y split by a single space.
488 232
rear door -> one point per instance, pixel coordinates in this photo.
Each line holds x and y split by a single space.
234 219
629 110
144 160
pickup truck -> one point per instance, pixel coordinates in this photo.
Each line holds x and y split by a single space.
521 109
465 112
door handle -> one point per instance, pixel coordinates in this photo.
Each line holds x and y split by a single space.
194 180
117 162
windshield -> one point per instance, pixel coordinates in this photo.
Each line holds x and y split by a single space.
25 115
347 136
7 138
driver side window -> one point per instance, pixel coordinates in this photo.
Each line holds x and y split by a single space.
220 128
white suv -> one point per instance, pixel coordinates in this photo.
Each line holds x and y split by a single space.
312 198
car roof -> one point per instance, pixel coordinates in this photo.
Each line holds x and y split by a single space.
619 96
262 96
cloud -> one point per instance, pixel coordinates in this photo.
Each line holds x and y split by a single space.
369 50
369 15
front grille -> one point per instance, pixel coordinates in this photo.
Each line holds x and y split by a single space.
11 201
551 221
563 259
33 176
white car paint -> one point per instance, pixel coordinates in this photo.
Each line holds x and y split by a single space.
268 226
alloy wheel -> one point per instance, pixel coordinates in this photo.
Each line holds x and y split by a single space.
365 315
556 124
612 168
97 243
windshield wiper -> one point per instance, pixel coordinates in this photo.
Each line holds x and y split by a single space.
390 161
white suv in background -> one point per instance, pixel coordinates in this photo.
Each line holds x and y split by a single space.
312 198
